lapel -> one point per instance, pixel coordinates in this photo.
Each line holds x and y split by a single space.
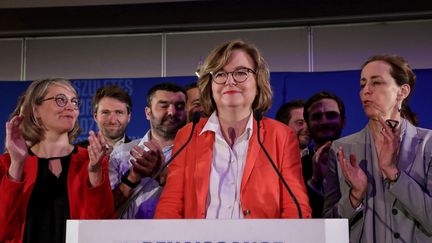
360 148
204 155
408 148
253 151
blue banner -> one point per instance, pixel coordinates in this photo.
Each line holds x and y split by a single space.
286 86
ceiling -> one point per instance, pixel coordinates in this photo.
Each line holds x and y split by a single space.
66 3
27 18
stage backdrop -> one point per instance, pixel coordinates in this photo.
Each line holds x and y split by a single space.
286 86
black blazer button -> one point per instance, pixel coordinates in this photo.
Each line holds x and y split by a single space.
396 235
394 211
246 212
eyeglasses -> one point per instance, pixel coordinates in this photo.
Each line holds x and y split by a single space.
62 100
239 75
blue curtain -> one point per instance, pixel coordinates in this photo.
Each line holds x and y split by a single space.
286 86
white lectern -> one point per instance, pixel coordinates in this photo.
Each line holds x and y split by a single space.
208 231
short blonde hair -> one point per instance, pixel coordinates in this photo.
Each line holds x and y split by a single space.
33 129
218 58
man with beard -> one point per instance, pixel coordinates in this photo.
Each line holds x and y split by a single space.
324 114
112 112
291 114
133 164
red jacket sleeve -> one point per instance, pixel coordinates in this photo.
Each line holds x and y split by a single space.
11 203
88 202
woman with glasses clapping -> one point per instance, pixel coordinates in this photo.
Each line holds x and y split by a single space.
223 173
44 179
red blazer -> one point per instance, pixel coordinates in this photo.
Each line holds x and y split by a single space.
262 193
84 202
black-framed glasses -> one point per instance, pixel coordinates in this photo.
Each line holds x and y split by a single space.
62 100
239 75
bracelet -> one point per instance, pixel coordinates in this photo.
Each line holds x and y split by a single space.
124 179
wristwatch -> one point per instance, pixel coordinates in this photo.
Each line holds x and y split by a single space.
124 179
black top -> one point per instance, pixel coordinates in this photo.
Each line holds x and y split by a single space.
48 208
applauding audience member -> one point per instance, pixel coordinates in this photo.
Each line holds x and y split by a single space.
132 164
325 115
44 179
380 178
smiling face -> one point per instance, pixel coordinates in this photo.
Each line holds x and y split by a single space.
193 103
379 93
233 94
166 113
53 117
298 124
112 118
325 121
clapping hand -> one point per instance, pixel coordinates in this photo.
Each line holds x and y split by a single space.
387 155
16 147
145 161
96 151
355 176
319 164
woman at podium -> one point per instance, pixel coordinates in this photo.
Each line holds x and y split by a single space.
223 173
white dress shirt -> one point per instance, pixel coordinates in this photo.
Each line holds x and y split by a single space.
223 201
144 205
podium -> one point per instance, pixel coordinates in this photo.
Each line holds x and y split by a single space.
208 231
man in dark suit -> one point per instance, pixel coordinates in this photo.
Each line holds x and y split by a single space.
324 114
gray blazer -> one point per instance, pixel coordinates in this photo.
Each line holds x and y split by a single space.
405 211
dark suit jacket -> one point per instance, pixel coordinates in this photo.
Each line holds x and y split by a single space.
316 200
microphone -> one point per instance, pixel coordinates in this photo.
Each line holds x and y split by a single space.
258 117
195 119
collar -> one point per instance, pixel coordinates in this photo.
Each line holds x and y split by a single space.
213 125
121 141
147 137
